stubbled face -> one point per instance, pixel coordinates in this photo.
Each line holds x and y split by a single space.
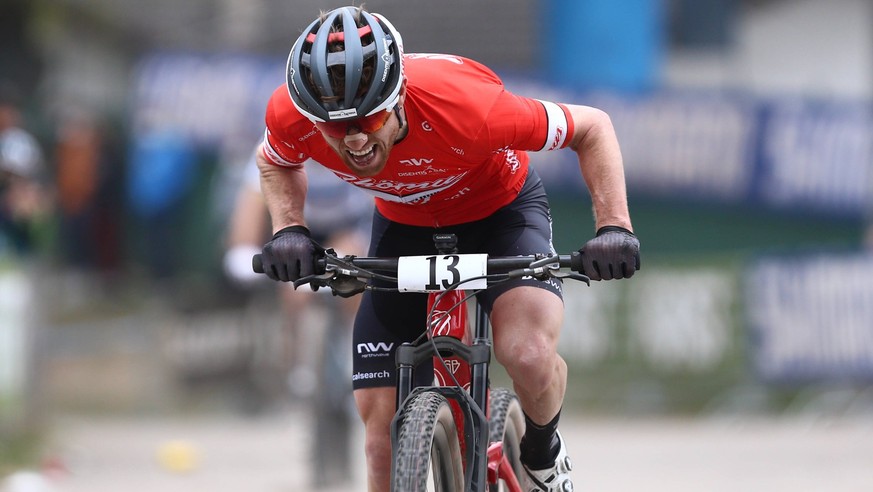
366 154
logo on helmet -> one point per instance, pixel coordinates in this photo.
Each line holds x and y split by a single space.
343 113
386 57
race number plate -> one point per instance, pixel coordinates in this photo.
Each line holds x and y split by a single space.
438 272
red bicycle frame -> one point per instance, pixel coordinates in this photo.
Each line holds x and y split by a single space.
450 319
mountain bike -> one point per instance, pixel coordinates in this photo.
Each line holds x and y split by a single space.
457 434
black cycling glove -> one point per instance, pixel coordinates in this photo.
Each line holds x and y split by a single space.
614 253
290 254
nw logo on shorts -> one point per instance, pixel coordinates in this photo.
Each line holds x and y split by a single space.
378 349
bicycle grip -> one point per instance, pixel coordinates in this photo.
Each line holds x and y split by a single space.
575 262
258 264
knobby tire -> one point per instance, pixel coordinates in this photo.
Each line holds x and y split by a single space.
506 424
428 451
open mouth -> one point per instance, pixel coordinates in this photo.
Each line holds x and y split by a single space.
363 157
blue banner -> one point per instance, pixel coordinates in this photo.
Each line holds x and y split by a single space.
205 98
786 154
696 145
797 155
817 156
811 317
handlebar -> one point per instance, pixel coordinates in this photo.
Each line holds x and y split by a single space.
496 264
381 264
345 275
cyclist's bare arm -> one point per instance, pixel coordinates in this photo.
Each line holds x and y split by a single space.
596 145
284 190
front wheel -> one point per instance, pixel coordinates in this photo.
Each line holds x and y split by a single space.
428 454
506 425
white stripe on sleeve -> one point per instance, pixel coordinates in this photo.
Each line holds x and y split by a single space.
558 126
271 154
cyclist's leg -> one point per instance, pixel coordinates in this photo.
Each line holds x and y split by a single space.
526 316
384 321
376 407
526 325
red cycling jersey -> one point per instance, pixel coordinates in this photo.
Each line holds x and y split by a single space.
464 156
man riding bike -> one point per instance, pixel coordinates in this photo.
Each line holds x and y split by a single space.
441 145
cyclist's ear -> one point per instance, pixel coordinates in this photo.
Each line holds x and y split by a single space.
401 98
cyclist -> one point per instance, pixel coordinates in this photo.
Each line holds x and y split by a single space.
441 144
339 216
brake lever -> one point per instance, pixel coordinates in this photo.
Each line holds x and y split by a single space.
341 281
315 281
541 269
575 276
545 269
344 286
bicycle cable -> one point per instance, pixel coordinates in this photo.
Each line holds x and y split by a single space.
431 321
355 271
346 268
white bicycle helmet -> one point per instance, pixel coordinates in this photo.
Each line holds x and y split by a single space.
347 64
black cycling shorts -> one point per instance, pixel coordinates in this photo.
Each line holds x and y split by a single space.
388 319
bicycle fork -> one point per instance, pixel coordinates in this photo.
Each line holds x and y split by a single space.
467 362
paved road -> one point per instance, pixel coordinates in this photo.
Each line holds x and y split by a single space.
268 455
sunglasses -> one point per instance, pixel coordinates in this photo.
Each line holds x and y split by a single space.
367 124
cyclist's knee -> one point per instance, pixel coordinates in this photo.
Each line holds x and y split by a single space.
531 363
527 310
376 407
527 326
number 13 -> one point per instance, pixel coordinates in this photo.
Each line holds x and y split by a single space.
450 267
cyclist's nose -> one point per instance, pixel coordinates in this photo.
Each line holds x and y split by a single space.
355 141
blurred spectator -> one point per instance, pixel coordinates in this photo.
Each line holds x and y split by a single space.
162 172
25 202
85 185
25 210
